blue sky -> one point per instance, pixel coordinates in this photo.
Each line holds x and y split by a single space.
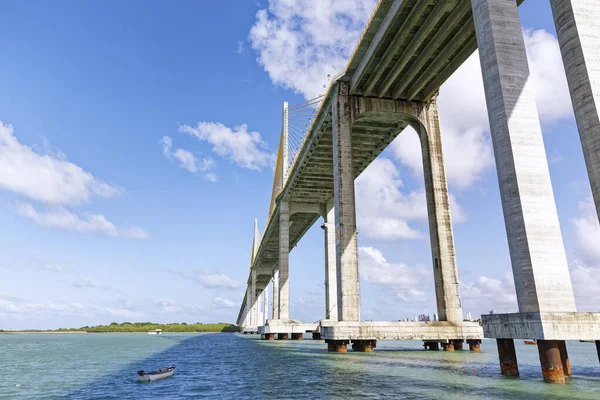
136 148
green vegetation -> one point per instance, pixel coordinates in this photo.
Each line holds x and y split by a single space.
126 327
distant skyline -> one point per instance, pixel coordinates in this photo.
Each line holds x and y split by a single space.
137 145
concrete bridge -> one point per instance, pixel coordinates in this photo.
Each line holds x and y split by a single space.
407 51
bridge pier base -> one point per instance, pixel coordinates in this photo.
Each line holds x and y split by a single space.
269 336
508 357
551 361
297 336
432 346
474 344
457 343
448 346
365 346
337 346
282 336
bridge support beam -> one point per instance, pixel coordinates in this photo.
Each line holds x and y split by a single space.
577 28
345 210
443 254
284 255
331 295
538 258
276 294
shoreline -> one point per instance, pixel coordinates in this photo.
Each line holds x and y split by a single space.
90 333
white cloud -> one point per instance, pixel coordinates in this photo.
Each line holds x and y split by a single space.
383 211
406 282
485 294
47 178
48 308
188 161
300 42
209 279
221 302
60 218
243 147
587 229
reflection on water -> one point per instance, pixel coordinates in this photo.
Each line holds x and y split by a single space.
234 366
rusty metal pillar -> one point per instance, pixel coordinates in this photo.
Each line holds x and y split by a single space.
448 346
282 336
366 346
337 346
457 343
564 357
474 344
552 366
269 336
297 336
508 357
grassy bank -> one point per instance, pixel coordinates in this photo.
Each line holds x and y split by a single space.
129 327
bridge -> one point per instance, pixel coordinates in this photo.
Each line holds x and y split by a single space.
408 49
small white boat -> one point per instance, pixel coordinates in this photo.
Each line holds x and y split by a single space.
156 375
155 332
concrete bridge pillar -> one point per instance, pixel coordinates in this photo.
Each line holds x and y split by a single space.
443 254
538 258
284 253
577 28
344 206
253 300
276 294
331 306
265 306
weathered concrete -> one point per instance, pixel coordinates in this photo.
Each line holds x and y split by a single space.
474 345
282 336
458 344
544 325
427 331
440 224
598 348
265 306
284 252
345 211
331 295
297 336
579 37
537 252
269 336
253 300
365 346
287 326
552 367
508 357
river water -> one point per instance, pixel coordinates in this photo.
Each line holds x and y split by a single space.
223 366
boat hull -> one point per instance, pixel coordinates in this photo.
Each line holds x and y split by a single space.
155 377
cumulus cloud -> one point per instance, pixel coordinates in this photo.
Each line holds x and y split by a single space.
221 302
486 294
587 230
60 218
187 160
47 178
408 283
239 145
384 211
20 308
300 42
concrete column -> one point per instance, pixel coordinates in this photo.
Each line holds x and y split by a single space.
598 348
331 306
474 344
448 346
365 346
265 305
552 367
535 242
458 344
284 253
297 336
345 211
337 346
508 357
282 336
445 273
579 37
276 294
253 301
